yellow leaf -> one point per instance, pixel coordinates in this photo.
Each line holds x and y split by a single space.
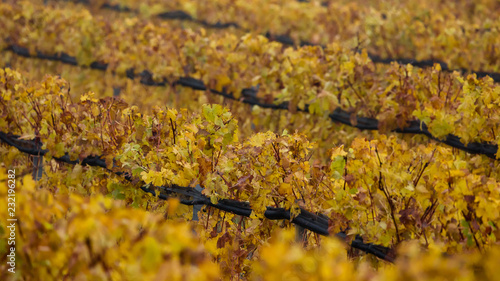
173 203
28 183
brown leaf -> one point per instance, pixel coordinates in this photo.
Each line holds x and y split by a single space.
469 198
353 119
349 178
205 165
242 180
221 242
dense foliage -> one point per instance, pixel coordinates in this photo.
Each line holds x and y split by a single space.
144 98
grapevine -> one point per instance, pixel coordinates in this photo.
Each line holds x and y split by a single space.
229 143
407 95
412 30
278 164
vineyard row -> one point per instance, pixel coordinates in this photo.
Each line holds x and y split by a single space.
385 31
287 40
324 78
338 115
313 222
385 189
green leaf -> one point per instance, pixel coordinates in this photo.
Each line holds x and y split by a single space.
337 167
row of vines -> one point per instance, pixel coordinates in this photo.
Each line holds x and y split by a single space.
389 170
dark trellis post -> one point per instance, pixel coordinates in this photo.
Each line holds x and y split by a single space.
197 208
37 167
300 232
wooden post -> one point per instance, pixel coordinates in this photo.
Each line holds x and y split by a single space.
300 232
37 167
116 91
197 208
